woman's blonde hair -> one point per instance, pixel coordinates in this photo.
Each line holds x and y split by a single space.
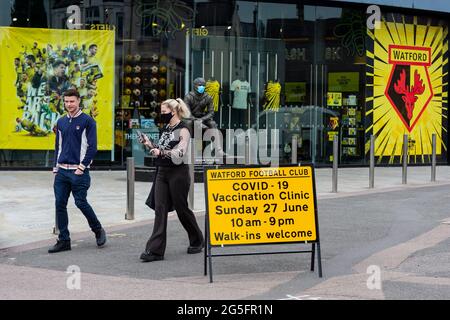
178 106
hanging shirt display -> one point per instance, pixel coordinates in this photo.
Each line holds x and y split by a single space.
213 89
272 96
241 90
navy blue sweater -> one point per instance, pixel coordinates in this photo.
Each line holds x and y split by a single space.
76 141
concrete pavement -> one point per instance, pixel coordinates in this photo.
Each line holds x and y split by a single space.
402 229
27 200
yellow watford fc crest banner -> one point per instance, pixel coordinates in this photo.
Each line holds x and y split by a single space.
406 76
37 67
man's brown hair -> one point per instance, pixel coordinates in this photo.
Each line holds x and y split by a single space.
72 93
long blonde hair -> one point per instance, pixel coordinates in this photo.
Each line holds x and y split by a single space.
178 106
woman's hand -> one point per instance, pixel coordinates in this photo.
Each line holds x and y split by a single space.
145 140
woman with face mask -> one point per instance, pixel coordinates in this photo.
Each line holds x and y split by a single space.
172 181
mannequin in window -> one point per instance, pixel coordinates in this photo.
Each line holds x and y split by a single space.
272 95
239 89
214 90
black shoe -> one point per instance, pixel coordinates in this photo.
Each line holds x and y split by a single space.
150 257
193 250
100 236
61 245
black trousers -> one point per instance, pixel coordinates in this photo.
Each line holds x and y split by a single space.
172 186
239 119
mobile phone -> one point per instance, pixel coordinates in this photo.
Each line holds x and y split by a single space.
143 137
140 136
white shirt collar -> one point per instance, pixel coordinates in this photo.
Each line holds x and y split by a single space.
76 115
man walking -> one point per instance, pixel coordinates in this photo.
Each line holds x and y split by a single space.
75 148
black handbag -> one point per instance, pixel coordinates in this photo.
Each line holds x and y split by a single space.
151 196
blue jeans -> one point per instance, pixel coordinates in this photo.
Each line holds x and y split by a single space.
67 181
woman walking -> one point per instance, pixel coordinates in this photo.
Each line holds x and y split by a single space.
171 185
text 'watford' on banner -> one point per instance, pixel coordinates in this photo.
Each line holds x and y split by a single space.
261 205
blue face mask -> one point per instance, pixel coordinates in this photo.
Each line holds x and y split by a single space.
201 89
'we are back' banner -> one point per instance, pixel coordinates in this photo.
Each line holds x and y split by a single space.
37 67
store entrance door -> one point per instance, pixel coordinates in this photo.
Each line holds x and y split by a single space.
325 66
306 115
338 76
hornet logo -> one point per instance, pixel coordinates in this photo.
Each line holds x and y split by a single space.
409 96
409 87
